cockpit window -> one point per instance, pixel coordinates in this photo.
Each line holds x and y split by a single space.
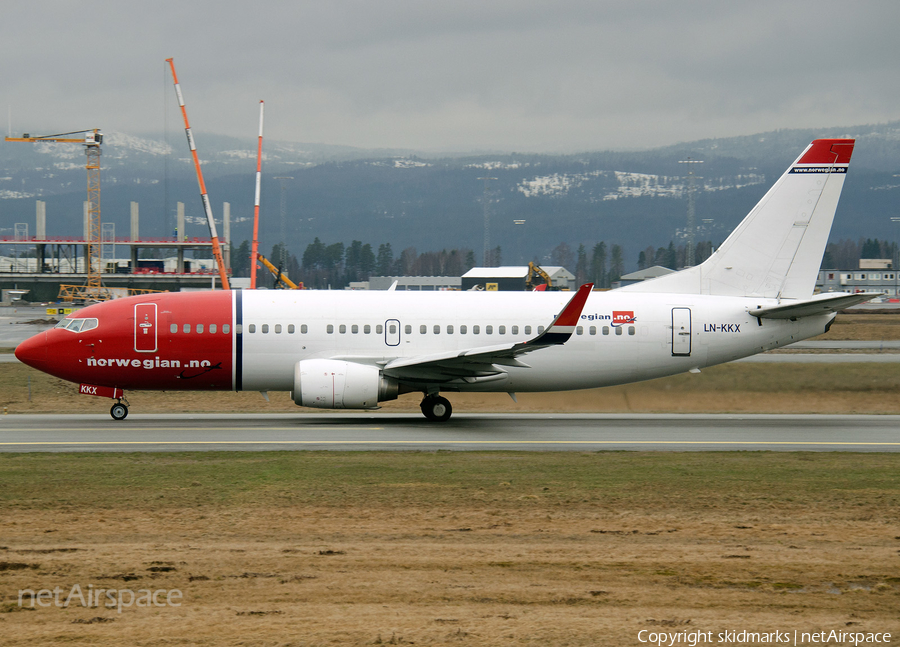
78 325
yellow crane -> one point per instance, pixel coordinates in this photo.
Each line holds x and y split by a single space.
278 274
91 139
535 272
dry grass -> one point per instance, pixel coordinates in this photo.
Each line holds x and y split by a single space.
731 388
867 327
302 548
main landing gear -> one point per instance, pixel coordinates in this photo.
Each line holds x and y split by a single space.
119 411
436 408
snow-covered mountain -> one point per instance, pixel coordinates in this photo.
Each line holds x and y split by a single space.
431 201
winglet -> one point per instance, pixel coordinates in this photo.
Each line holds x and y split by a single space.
563 326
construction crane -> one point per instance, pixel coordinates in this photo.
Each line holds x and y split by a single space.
280 277
204 198
91 139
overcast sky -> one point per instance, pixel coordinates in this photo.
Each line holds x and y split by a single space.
515 75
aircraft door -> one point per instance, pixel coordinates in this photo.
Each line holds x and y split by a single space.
145 327
392 332
681 331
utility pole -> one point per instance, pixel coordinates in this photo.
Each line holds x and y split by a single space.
689 256
487 222
519 225
283 260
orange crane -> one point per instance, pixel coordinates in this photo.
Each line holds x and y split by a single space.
217 250
91 139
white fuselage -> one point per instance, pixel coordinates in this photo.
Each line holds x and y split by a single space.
669 333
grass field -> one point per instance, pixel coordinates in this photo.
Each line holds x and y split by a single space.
731 388
447 548
463 548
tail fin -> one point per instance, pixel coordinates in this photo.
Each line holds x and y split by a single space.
777 249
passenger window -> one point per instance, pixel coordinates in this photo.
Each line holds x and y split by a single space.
304 329
450 329
423 329
200 328
592 330
238 329
392 329
291 329
462 330
277 329
173 328
226 329
379 329
579 330
488 330
630 330
527 330
186 328
367 329
408 329
476 330
343 329
540 329
212 329
437 329
330 329
515 330
354 329
619 330
502 330
265 328
605 330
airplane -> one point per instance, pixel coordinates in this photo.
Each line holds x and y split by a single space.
353 350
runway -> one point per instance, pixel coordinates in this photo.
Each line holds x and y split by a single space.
464 432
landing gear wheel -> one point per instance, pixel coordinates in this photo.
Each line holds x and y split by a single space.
436 408
118 411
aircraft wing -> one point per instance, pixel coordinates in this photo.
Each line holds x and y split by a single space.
487 361
817 305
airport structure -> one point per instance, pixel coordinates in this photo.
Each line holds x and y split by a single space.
513 278
41 263
874 275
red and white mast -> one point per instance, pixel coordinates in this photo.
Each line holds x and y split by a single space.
254 250
217 250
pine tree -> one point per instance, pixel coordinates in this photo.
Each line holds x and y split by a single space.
616 264
581 266
598 266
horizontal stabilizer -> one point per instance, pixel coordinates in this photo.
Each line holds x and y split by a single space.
819 304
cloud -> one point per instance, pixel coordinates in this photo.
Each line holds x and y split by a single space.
513 75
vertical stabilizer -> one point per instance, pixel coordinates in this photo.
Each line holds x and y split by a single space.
777 249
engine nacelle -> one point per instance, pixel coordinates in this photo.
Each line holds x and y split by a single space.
334 384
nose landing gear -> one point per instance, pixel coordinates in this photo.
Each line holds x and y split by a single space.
119 411
436 408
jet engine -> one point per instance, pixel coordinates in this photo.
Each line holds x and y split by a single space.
335 384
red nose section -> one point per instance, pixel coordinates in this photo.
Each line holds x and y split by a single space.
33 351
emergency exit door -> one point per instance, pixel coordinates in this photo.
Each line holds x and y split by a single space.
145 327
392 332
681 331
